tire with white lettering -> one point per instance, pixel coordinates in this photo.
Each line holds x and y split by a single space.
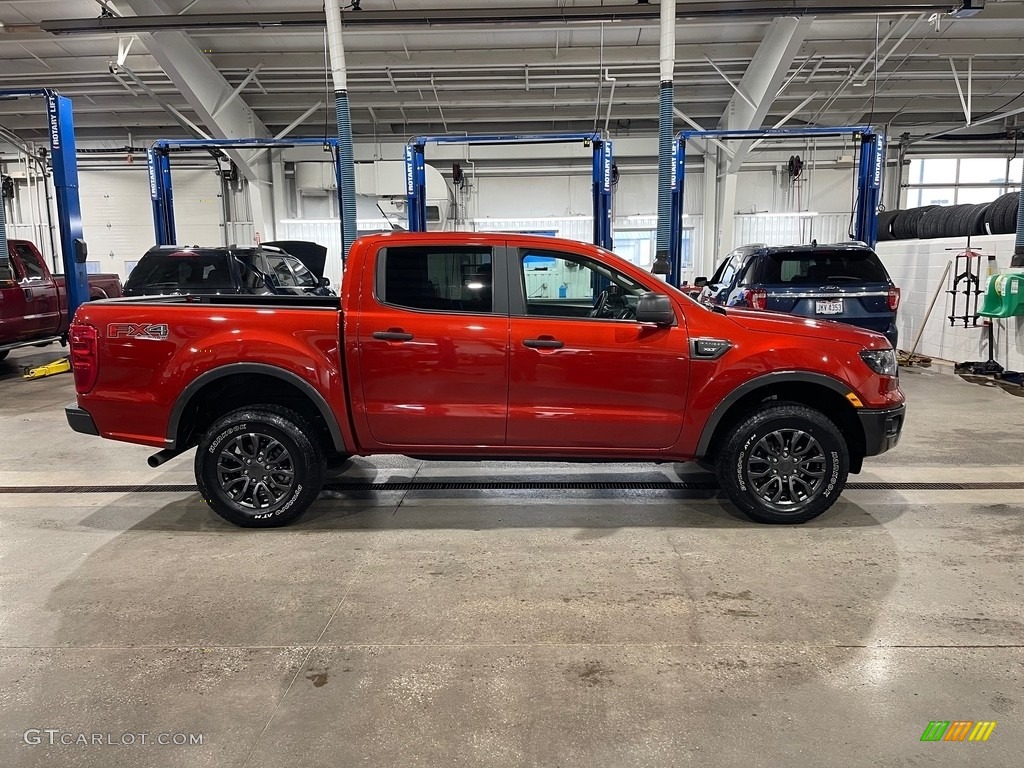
258 468
784 463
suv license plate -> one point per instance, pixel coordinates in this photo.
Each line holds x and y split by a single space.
829 307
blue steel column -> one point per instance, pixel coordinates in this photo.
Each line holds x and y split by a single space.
161 194
6 273
602 192
869 178
416 186
676 210
65 184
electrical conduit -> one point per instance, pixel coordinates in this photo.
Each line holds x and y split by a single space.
346 160
665 136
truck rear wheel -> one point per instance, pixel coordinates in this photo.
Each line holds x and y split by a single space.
785 463
257 467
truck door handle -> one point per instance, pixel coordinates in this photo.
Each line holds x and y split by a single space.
543 343
392 335
28 294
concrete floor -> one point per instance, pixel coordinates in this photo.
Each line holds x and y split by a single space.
623 628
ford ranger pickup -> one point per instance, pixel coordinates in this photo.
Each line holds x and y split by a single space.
484 346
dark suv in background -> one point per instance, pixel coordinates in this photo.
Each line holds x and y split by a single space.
845 282
259 270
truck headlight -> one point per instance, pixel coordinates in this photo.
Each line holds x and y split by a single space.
881 361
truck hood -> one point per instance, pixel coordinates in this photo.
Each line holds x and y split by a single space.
778 323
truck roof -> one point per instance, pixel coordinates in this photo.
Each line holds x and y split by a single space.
470 238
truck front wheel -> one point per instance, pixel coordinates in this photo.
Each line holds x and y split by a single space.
784 463
256 467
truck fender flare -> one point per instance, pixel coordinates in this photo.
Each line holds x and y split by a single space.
767 379
260 368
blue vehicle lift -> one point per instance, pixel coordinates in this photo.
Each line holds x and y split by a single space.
162 192
416 175
61 130
870 170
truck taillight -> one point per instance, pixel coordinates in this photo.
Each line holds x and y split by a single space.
894 298
757 298
84 357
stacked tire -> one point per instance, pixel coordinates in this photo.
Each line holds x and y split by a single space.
931 221
1001 216
907 224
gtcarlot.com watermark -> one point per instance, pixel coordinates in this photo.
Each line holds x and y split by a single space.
53 737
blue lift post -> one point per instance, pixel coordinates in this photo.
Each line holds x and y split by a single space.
416 175
870 170
162 192
61 130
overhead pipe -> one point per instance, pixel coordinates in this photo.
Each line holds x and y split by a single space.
346 158
666 136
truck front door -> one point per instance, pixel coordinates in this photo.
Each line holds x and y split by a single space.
585 374
433 347
42 306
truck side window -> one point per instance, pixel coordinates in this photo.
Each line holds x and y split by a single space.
564 285
30 262
438 277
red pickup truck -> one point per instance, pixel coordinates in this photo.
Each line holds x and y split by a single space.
34 303
484 346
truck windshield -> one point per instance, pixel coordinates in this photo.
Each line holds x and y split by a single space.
202 269
824 266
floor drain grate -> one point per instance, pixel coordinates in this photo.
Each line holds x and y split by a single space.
514 485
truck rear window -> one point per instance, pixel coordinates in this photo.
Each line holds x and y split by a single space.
187 270
445 278
803 268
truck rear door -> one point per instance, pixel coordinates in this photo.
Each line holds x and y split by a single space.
38 289
432 338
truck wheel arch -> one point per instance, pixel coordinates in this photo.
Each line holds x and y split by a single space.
187 396
797 386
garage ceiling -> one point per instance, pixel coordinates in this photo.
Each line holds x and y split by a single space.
413 77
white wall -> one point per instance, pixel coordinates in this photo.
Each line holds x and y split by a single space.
916 266
117 215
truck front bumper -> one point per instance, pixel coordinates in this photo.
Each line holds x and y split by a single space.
80 420
881 429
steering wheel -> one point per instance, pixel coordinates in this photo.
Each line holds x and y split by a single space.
611 304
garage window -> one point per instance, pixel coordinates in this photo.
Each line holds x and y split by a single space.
437 278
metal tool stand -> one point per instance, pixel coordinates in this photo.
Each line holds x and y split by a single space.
966 283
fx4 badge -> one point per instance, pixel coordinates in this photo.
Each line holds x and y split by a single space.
137 331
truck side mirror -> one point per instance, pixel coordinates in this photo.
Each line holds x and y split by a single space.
700 282
324 282
81 250
655 308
